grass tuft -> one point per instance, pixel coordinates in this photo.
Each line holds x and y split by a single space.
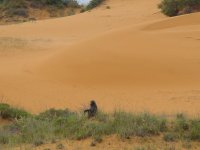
127 124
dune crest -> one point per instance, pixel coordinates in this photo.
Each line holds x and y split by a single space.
179 21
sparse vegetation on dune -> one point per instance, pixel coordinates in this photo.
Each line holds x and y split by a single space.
92 4
19 11
55 124
179 7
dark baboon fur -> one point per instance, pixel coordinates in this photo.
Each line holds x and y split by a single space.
92 110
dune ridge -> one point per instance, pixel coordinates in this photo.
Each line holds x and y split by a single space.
179 21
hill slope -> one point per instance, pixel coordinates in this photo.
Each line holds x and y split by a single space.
129 56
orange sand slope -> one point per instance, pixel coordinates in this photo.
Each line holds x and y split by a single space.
128 57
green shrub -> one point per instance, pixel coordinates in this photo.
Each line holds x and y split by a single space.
93 3
3 107
17 10
177 7
169 7
7 112
55 3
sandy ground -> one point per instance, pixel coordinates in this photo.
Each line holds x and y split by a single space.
128 57
115 143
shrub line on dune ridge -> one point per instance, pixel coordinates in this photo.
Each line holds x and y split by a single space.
56 124
179 7
26 10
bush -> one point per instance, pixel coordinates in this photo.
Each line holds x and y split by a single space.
55 3
169 7
93 3
3 108
18 10
7 112
177 7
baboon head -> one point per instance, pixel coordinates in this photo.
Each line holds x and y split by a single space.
92 103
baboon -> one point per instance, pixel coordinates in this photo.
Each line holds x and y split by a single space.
92 110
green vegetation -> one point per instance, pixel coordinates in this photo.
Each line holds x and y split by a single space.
178 7
92 4
24 10
53 125
7 112
19 10
127 125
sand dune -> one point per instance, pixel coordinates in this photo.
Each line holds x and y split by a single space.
130 57
180 21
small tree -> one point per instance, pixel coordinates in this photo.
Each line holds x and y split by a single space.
178 7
